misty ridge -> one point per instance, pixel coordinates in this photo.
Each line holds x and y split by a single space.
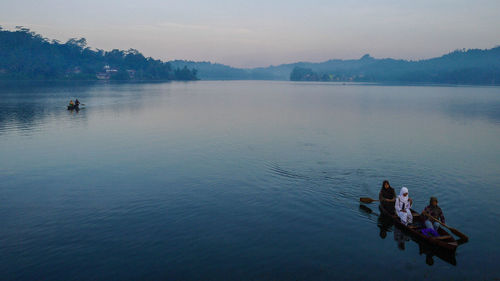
473 66
26 55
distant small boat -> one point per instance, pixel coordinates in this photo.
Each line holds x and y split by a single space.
444 241
73 107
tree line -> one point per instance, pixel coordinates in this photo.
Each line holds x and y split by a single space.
473 66
26 55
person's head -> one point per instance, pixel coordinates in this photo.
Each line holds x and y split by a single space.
386 184
433 201
404 192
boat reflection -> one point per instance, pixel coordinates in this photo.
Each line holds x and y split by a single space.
385 225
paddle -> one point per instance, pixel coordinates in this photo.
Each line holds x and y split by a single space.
366 209
453 230
367 199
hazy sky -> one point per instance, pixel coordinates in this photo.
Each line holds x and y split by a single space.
261 33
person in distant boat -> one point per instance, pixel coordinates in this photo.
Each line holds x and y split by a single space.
435 211
77 102
71 103
387 196
403 205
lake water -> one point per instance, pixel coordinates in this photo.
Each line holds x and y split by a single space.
242 180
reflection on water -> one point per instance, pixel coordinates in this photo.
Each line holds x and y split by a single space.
400 238
385 225
27 106
241 180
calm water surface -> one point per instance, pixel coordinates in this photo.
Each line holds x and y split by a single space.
242 180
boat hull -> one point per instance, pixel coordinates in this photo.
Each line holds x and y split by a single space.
449 244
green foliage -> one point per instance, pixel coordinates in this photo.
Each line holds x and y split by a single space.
458 67
27 55
120 75
304 74
185 73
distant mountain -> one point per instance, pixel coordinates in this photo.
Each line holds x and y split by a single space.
217 71
213 71
25 55
459 67
472 66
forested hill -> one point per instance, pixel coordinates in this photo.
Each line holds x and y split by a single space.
27 55
217 71
472 66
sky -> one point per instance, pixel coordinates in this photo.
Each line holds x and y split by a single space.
262 33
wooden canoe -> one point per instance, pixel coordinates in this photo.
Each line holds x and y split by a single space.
73 107
444 241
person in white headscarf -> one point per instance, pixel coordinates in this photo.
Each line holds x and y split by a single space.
403 205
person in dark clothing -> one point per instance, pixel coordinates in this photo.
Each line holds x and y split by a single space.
77 102
387 196
435 211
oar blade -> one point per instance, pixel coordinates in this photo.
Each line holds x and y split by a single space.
366 200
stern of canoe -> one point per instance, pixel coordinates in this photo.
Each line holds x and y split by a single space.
443 241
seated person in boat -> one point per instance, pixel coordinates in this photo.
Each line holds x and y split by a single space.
435 211
387 197
77 102
71 103
403 205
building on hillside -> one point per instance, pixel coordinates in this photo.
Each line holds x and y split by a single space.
103 76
